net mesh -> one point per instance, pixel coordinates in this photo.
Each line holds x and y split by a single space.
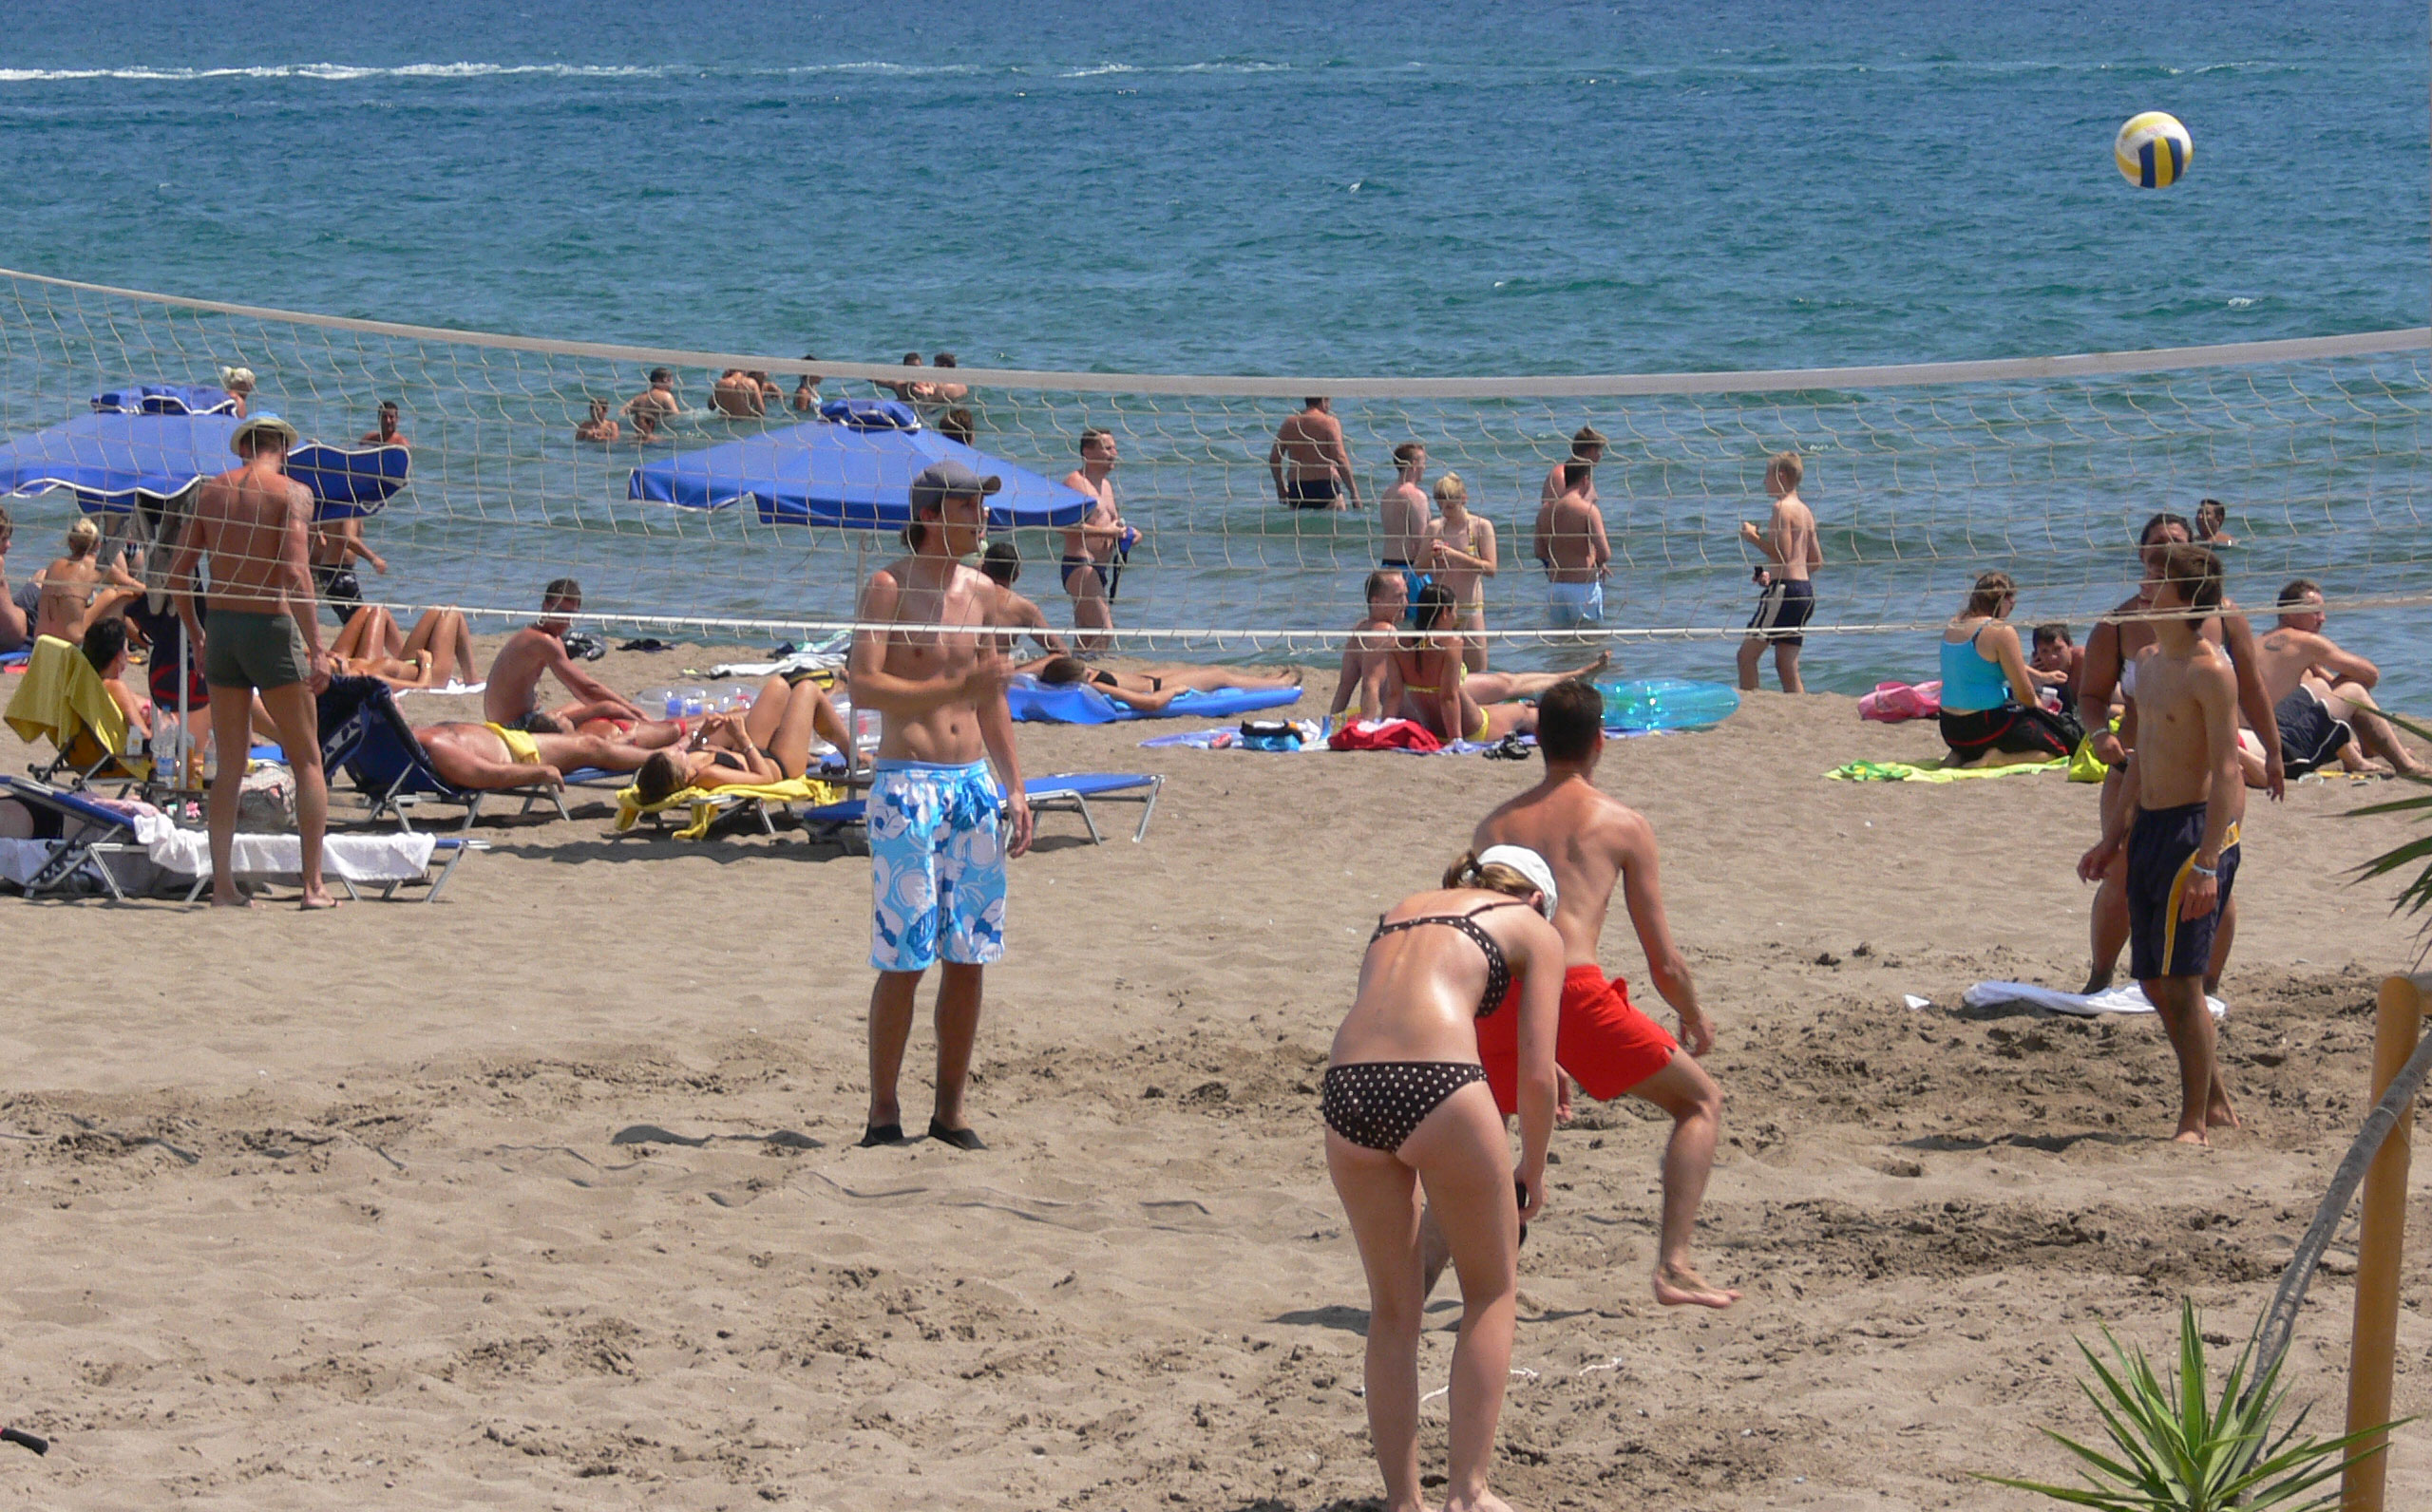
1919 478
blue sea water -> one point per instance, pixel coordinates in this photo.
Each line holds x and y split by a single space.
1350 188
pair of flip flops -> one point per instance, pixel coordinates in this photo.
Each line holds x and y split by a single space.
880 1134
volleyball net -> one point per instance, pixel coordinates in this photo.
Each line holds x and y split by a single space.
1920 477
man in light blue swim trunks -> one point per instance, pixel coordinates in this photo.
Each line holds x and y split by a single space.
938 820
1571 547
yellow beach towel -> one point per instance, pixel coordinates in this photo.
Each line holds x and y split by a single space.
705 802
61 699
1931 771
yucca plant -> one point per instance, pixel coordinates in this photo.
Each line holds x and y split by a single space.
2417 894
2180 1449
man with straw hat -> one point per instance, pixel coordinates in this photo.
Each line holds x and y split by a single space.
255 525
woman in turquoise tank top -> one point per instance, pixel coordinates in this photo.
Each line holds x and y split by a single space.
1990 703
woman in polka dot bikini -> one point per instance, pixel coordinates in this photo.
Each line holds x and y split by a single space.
1406 1105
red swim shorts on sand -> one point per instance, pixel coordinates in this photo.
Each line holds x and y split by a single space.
1606 1045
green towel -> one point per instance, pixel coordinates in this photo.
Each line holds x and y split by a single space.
1929 772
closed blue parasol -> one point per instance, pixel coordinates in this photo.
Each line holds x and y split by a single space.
852 467
165 399
111 458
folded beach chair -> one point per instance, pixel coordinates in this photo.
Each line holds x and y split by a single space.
1068 791
363 736
95 836
61 699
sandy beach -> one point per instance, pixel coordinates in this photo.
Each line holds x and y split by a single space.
546 1196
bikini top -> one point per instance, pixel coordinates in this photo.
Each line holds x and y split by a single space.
1105 679
1498 970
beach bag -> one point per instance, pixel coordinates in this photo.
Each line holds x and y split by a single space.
1390 734
1269 734
1892 701
266 799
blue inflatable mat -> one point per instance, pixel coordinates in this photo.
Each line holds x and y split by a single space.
1087 706
1667 703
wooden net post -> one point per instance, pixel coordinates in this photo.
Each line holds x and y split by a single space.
2381 1242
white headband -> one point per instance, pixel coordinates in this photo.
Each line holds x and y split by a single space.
1529 864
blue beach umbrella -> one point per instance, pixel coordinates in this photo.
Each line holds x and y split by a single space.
852 467
113 458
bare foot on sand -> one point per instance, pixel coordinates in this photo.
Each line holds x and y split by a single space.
317 900
1681 1286
2220 1114
1482 1501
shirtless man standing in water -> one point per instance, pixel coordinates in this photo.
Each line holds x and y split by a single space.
1594 843
2178 829
937 819
1792 555
252 522
1310 462
1094 545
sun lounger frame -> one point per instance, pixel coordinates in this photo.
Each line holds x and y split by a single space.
68 856
1067 792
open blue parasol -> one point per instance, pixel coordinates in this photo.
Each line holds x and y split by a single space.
113 458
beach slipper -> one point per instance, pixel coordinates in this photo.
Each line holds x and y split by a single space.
962 1139
877 1134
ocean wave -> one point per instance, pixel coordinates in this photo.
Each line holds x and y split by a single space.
338 72
347 73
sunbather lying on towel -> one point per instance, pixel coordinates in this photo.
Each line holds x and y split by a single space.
491 757
725 751
1152 689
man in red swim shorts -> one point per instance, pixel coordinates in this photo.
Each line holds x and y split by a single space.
1592 842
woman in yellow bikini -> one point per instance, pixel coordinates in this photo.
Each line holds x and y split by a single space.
1440 692
1429 668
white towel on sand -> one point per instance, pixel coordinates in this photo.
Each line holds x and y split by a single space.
2127 999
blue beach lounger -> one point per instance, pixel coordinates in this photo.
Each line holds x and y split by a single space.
1067 791
364 735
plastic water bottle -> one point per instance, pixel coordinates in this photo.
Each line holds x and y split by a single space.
867 726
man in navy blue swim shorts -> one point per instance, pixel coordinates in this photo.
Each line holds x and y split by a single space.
2181 826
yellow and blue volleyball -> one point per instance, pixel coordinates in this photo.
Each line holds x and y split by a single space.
2153 150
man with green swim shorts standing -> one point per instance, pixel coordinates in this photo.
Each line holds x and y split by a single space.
255 525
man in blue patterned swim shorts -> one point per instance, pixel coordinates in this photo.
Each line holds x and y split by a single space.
938 817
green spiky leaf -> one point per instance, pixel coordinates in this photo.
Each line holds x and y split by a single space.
2183 1447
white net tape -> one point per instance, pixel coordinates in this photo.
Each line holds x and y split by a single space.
1920 477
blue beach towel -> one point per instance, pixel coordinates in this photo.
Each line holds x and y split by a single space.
1087 706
